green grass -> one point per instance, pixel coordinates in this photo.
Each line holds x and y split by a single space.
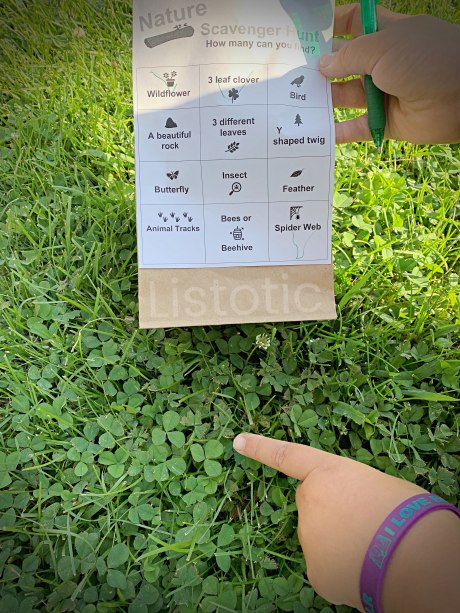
119 489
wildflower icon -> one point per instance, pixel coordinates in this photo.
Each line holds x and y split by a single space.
170 78
232 147
233 95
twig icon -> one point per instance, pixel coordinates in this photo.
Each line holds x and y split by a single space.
161 39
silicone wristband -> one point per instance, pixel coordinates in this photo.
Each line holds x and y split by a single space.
386 540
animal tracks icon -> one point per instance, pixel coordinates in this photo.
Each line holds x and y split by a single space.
176 217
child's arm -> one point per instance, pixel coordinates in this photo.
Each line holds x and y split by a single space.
341 504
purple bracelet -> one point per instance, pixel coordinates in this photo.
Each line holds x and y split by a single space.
386 540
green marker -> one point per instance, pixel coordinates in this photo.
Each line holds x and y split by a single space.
375 98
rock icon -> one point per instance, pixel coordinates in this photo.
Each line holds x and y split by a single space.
170 123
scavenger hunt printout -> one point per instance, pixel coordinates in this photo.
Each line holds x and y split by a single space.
234 133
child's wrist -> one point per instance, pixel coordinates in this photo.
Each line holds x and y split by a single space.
415 535
417 578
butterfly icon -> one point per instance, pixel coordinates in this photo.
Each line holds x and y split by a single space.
173 175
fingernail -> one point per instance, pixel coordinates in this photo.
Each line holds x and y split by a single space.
239 443
326 60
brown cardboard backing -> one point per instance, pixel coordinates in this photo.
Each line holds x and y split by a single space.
212 296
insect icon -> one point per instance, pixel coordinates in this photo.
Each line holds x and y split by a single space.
173 175
236 187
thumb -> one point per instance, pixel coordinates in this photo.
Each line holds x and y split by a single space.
294 460
356 57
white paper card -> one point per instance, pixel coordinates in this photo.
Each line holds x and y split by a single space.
234 133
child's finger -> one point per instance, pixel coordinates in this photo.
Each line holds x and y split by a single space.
293 460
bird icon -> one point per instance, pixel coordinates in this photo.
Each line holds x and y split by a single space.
298 81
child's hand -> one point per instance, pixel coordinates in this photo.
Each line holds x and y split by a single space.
341 504
415 60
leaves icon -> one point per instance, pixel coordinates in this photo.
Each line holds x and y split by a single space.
297 173
233 147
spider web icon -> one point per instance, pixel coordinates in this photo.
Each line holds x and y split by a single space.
295 212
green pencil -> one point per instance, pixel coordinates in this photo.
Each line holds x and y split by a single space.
375 98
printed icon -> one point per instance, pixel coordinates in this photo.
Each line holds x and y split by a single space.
237 234
178 32
233 95
170 123
232 147
298 81
170 78
297 173
172 175
236 187
295 212
298 120
173 216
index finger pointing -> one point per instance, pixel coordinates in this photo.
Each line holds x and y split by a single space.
290 458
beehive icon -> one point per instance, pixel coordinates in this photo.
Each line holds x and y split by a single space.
237 233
